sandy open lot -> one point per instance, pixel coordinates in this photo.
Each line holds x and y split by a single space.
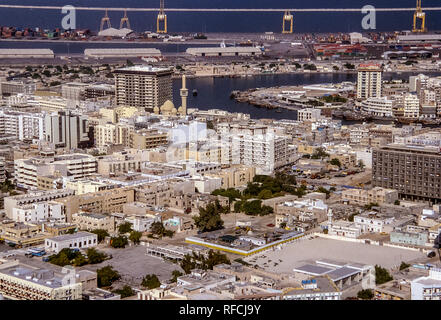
296 254
133 264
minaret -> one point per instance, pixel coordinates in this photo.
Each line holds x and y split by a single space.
184 95
330 216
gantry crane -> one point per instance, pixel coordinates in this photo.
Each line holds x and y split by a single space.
124 20
162 17
419 15
106 20
288 17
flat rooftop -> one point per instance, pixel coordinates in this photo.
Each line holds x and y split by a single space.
67 237
411 148
143 69
42 277
295 255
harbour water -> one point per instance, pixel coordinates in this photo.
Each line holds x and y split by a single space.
214 93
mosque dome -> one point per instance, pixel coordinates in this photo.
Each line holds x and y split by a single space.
168 106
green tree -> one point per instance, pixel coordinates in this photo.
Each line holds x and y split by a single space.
135 237
320 153
210 125
130 63
101 234
203 262
106 276
157 228
119 242
209 218
79 261
65 257
94 256
265 194
404 265
125 292
59 260
351 217
361 164
382 275
175 275
366 294
151 281
349 66
324 190
336 162
231 193
125 227
397 202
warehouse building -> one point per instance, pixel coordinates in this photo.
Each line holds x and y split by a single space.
224 52
123 52
26 54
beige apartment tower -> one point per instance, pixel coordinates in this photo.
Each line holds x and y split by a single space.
369 81
143 87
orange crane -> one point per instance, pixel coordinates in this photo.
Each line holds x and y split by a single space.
162 17
124 20
287 18
106 20
419 15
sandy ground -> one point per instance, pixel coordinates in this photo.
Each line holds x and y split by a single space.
133 264
296 254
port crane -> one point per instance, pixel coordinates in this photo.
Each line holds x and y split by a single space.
162 19
125 20
421 16
105 20
288 18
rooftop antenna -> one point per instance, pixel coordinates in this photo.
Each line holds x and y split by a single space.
125 20
106 20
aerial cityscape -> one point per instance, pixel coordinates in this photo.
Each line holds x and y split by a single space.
189 151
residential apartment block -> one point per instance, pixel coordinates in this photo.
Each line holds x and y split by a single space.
414 171
143 87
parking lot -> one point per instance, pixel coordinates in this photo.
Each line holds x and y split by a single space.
295 254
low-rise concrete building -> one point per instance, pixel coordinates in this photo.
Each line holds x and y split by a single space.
427 288
94 221
77 240
23 282
364 197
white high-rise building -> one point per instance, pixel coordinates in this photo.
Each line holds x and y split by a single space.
369 82
411 105
66 130
22 125
35 212
266 152
75 166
